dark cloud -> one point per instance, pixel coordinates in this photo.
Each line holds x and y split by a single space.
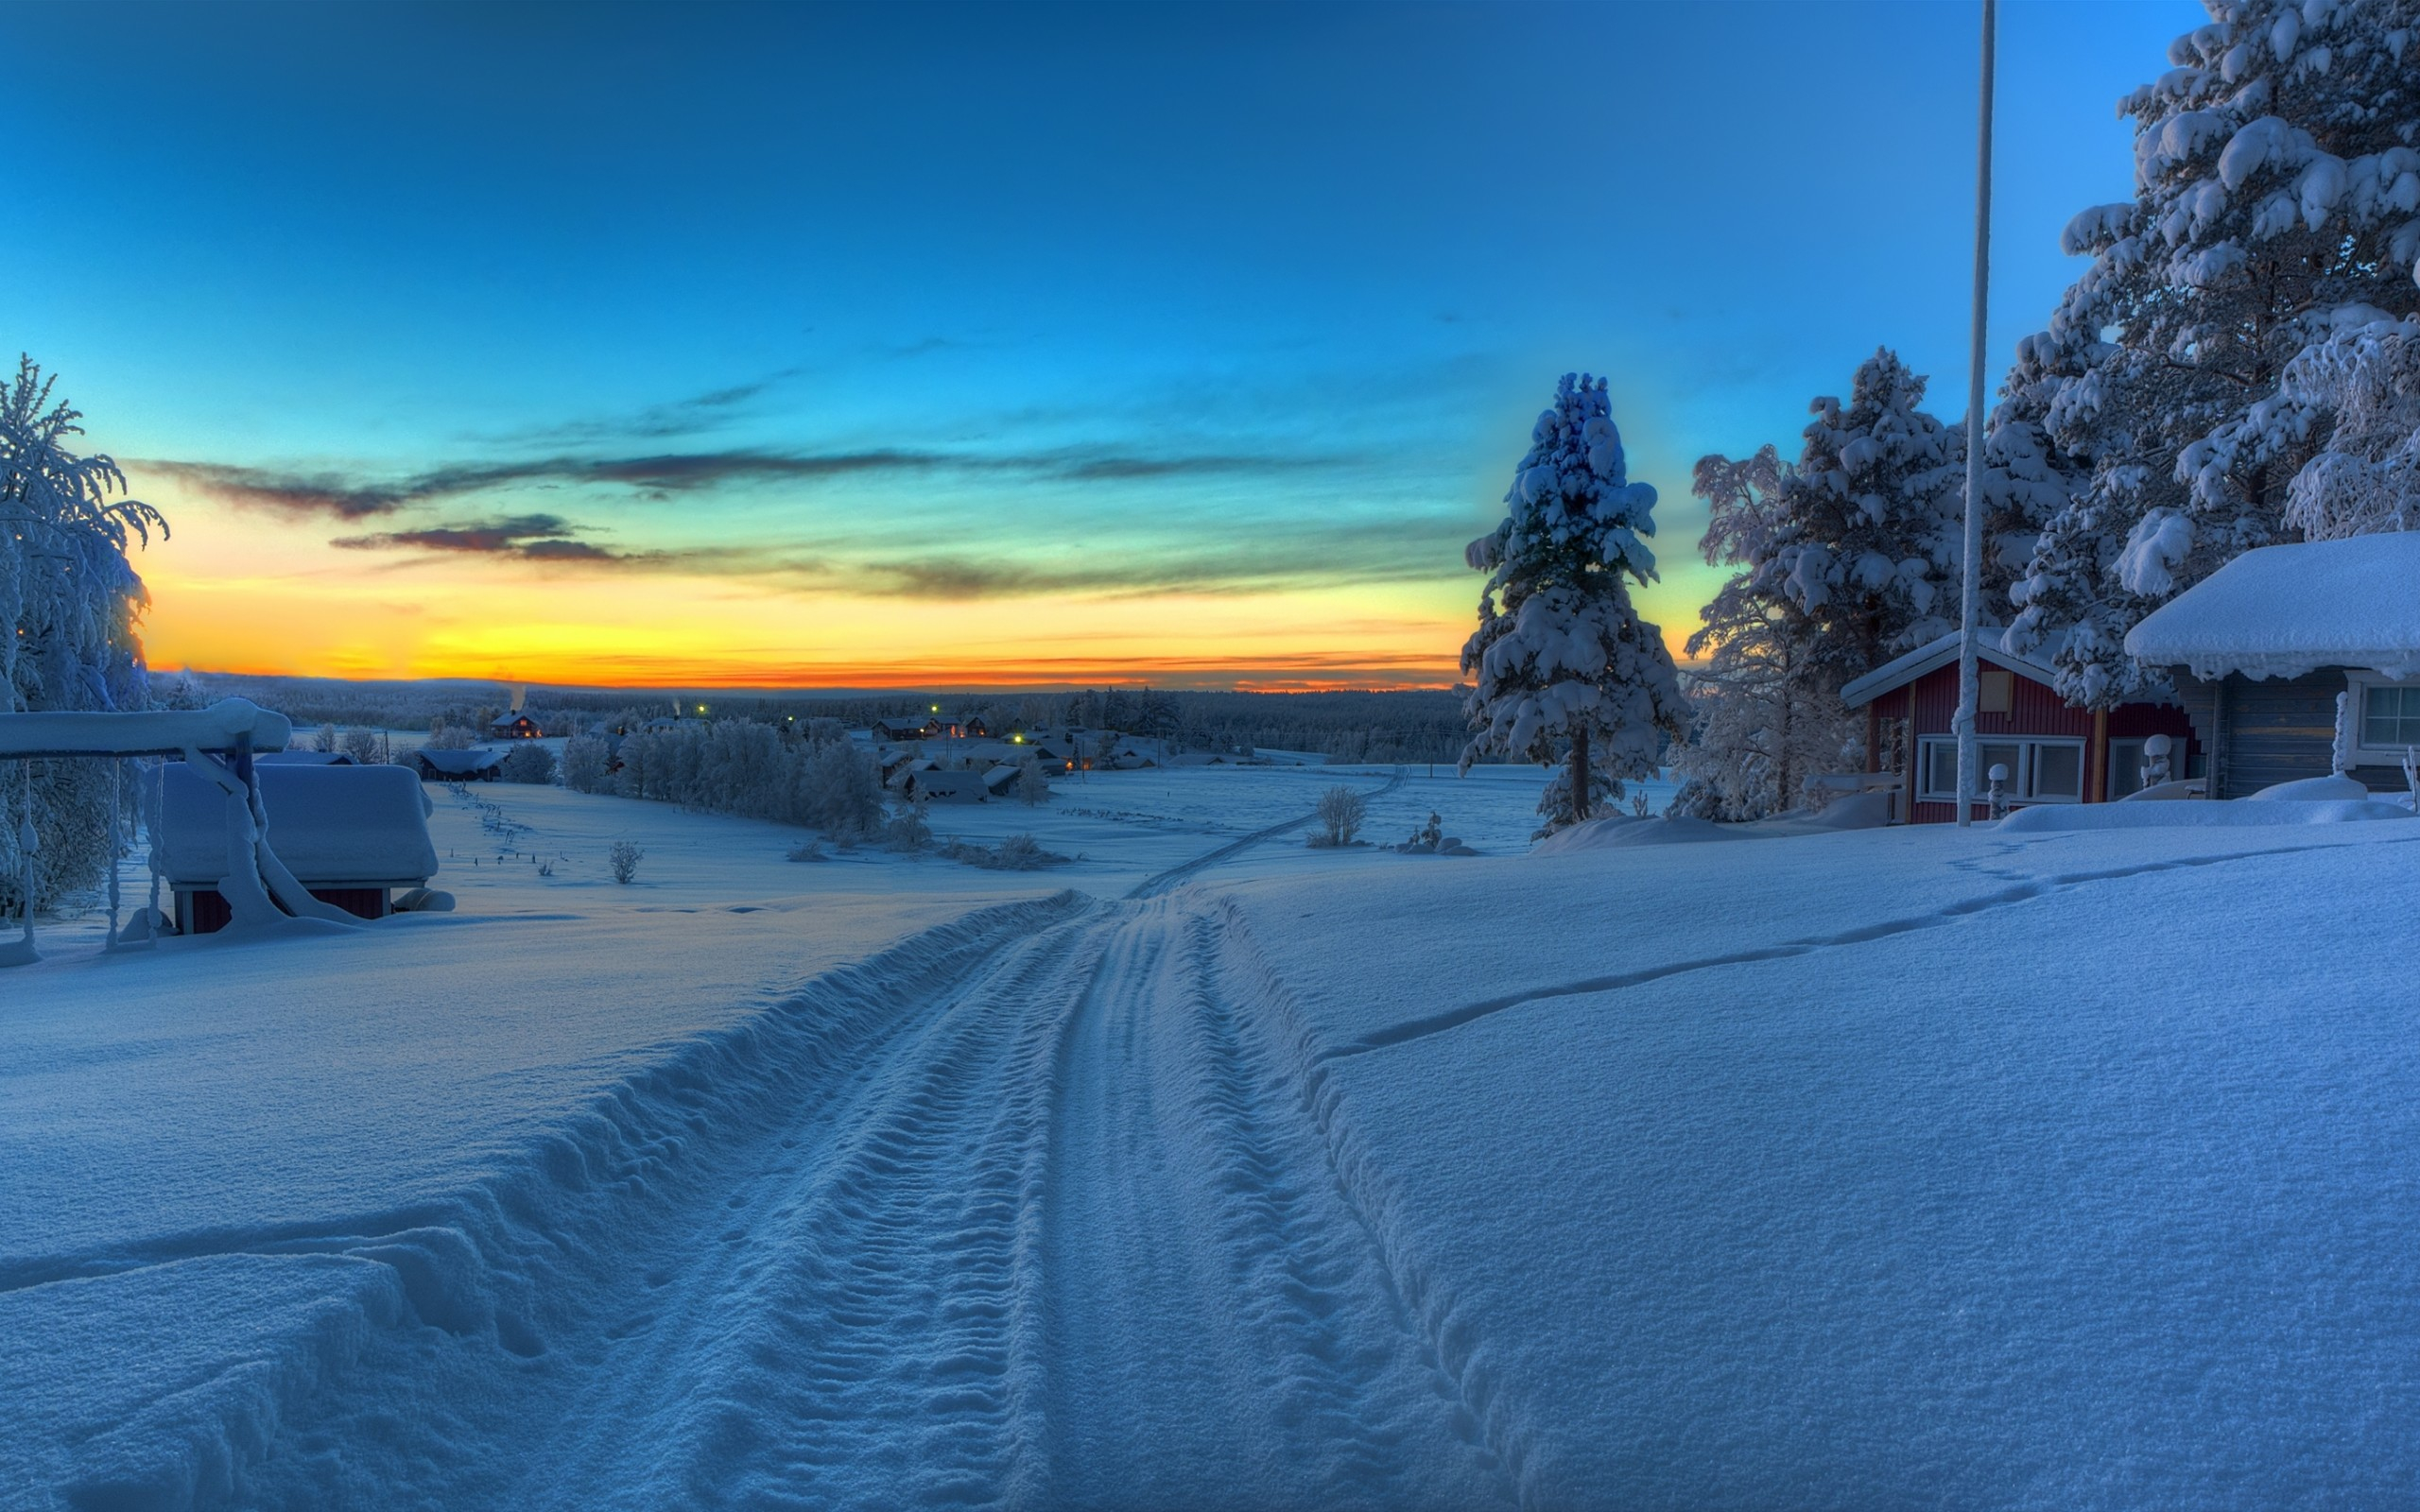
531 536
664 473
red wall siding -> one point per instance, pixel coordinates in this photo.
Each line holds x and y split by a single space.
2035 710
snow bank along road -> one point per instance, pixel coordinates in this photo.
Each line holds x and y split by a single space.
1653 1177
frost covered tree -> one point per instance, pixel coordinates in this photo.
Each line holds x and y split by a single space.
1844 560
528 763
2277 203
587 764
69 603
1563 670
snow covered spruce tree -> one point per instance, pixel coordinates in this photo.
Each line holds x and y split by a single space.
68 604
2277 203
1563 670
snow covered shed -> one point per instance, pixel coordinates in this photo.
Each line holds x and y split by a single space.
2054 752
514 726
477 764
2298 661
945 787
351 835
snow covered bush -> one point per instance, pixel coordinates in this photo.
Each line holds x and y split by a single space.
908 830
587 763
527 763
1341 810
442 737
69 602
2276 204
624 858
1563 670
807 850
1032 787
1018 853
367 748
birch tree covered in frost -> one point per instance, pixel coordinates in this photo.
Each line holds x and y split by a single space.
1759 724
1846 558
69 601
1564 673
2276 204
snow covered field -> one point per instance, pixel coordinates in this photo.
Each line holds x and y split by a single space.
1875 1168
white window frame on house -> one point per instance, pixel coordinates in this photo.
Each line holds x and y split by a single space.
2358 686
2019 788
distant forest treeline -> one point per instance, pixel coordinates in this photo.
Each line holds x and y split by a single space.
1423 725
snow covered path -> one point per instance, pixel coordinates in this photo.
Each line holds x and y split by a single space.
1027 1211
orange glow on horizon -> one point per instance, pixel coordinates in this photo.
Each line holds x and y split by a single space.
238 593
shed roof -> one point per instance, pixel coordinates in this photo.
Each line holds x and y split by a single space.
329 824
461 763
1931 656
2280 612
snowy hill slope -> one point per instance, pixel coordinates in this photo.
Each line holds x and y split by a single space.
1866 1168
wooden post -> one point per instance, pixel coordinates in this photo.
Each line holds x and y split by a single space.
1915 753
2096 766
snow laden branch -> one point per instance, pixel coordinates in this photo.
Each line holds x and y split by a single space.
1564 671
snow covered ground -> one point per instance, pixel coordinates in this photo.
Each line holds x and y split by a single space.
1873 1168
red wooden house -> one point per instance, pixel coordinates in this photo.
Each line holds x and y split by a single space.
2054 752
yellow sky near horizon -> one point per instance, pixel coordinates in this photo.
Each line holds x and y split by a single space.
235 591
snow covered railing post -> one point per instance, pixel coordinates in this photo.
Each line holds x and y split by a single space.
20 951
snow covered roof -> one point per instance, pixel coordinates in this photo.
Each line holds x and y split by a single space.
1931 656
2280 612
461 763
367 825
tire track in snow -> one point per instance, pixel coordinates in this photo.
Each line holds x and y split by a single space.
1437 1023
845 1336
1223 1333
1153 885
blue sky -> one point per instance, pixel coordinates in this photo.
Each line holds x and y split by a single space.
993 344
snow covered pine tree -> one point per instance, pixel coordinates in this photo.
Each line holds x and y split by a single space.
68 604
1565 671
2276 202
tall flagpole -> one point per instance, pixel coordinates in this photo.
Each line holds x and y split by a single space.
1970 588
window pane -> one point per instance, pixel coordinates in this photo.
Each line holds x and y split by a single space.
2125 768
2058 771
1941 767
2390 717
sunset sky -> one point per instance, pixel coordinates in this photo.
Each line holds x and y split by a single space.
758 345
